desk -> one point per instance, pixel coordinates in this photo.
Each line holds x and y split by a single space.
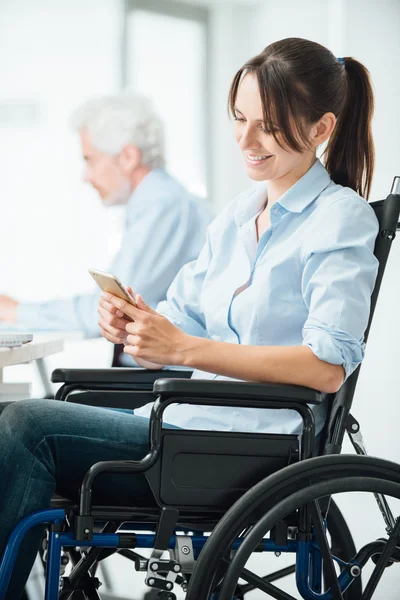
42 335
41 363
35 350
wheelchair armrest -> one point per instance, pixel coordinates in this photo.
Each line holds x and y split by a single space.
191 389
113 375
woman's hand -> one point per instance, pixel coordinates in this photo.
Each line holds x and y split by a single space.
149 336
113 321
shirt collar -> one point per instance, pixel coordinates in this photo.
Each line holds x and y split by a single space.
306 189
295 199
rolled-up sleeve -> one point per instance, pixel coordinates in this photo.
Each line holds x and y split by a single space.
338 279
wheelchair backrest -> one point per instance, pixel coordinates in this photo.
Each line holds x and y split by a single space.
387 212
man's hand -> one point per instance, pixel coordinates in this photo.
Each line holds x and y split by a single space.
8 309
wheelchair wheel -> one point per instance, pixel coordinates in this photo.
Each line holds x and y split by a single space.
341 544
283 494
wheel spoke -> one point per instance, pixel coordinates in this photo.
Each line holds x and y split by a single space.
260 584
271 577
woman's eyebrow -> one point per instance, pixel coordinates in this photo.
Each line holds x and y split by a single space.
256 120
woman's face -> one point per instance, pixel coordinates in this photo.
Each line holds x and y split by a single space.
265 159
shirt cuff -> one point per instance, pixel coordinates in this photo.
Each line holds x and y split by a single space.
29 314
334 346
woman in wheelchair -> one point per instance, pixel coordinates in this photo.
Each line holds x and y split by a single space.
280 292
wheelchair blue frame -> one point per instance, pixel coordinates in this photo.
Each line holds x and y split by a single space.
308 556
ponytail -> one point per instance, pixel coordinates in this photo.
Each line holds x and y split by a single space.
350 154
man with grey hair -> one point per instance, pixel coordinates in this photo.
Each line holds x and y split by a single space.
122 145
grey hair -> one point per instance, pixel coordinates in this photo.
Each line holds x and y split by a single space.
112 122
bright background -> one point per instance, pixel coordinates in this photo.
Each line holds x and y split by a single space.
55 54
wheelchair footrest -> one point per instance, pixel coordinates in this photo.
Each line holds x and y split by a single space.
161 574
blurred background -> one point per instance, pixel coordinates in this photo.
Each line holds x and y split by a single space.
54 54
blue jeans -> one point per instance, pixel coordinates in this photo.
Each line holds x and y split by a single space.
46 446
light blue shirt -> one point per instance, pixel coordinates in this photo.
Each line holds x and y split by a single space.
308 281
165 228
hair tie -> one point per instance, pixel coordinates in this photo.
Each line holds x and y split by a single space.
341 60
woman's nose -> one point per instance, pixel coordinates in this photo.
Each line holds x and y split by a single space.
248 139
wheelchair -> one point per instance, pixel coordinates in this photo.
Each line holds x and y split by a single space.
219 497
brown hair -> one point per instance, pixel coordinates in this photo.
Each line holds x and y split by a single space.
299 82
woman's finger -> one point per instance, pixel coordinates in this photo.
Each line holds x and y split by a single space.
110 308
132 340
132 327
126 307
111 338
113 320
115 331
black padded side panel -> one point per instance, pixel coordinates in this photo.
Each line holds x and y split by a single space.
205 469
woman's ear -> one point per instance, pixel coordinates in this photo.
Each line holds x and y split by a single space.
322 130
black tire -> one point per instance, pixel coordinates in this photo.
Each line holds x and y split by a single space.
333 474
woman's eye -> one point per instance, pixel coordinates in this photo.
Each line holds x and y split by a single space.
238 119
269 131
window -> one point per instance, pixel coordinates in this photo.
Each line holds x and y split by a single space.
166 56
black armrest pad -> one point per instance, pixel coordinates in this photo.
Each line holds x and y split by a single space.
114 375
203 388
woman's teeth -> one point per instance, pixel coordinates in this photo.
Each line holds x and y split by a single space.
257 158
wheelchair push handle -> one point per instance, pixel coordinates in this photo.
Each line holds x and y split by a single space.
395 186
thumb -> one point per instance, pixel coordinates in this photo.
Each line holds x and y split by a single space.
130 291
140 303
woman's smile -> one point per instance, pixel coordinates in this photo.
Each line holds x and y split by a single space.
257 159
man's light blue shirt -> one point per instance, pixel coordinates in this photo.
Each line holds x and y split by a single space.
165 228
307 281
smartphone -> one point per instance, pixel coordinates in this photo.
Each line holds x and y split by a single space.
111 283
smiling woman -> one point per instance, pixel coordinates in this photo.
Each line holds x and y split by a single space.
267 156
294 101
279 293
269 298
